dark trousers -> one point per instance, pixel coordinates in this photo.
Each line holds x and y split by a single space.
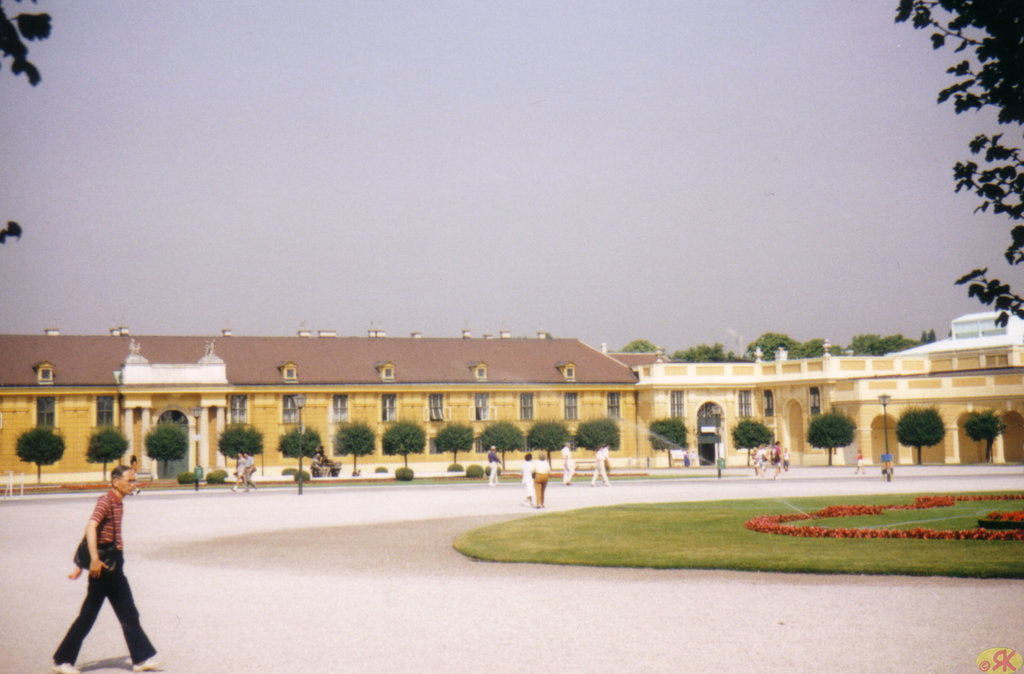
114 586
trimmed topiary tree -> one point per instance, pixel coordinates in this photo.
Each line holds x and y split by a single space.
403 438
748 434
504 436
106 444
454 438
42 446
354 439
984 426
404 474
920 427
548 435
167 442
830 430
597 433
238 438
665 434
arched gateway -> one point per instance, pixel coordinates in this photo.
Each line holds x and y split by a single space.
709 433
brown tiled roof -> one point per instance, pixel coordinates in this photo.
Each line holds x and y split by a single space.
91 360
638 359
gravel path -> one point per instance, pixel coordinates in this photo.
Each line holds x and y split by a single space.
347 579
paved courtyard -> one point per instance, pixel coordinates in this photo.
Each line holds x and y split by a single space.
364 579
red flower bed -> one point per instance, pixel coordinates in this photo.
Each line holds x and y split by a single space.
1017 516
775 524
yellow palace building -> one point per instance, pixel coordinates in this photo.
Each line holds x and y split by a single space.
76 384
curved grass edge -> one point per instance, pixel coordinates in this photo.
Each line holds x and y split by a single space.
712 536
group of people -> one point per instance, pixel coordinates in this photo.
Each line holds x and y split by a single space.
245 466
774 457
323 466
536 473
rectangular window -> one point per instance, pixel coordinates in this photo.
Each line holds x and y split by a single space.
437 407
290 414
239 409
571 406
482 404
614 408
769 404
46 414
105 410
388 407
677 404
526 406
339 408
746 404
815 400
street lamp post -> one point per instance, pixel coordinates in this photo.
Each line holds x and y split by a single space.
300 402
887 457
197 411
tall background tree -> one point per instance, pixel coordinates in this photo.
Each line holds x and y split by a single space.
830 430
504 436
454 438
988 38
166 442
106 444
403 438
639 346
984 427
42 446
354 439
920 427
705 353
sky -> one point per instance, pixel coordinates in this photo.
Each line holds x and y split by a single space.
684 172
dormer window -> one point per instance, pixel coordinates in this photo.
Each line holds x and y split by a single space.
479 371
289 372
568 370
386 371
44 373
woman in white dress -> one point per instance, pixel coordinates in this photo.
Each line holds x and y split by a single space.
528 479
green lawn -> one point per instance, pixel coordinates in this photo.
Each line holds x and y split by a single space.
711 535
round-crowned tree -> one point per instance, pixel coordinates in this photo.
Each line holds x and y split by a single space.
167 442
920 427
403 438
354 439
238 438
504 436
547 435
41 446
106 444
294 445
454 438
598 433
665 434
830 430
749 434
984 427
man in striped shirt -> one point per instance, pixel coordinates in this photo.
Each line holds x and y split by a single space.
107 581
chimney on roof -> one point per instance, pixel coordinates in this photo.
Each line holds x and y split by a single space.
488 335
305 332
466 333
51 332
505 334
375 333
416 334
541 334
226 332
327 333
604 348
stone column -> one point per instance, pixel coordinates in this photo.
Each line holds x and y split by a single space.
144 461
221 416
129 427
204 437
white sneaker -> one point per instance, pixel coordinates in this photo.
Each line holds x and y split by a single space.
65 668
151 665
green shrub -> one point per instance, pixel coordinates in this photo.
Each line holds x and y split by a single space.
381 469
188 477
289 471
217 477
305 476
404 474
455 468
475 471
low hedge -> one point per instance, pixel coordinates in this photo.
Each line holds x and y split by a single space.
217 477
475 472
404 474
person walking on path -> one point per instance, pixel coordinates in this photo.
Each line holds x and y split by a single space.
239 471
494 464
527 469
860 464
568 465
250 469
601 466
541 472
107 581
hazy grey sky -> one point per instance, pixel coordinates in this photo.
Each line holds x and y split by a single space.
603 170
